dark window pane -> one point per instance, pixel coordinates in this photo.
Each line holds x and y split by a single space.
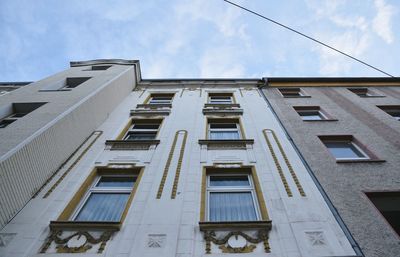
223 125
5 123
146 126
311 116
344 150
388 203
116 182
230 181
141 136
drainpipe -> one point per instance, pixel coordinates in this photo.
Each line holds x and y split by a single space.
332 208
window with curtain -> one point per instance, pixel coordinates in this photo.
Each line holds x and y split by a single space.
231 198
224 131
106 199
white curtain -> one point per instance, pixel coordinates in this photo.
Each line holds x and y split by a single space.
231 206
103 207
224 135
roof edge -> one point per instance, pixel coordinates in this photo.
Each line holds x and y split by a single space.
331 79
103 61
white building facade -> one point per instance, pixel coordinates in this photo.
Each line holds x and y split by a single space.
122 166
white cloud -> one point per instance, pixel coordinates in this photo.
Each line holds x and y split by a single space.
221 62
158 68
352 33
224 17
382 24
194 38
334 64
357 22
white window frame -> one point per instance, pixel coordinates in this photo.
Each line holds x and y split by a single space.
111 190
366 157
132 129
250 188
321 114
291 92
363 92
152 100
221 100
224 129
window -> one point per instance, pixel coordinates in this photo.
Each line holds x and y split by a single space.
17 111
220 98
311 113
292 92
231 198
344 148
104 196
392 110
388 204
106 199
160 99
74 82
143 130
66 84
224 130
364 92
10 119
100 67
5 122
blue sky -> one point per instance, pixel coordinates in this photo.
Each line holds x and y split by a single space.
199 38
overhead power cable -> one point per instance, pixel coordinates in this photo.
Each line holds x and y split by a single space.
311 38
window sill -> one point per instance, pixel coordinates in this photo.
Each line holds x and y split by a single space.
149 112
222 111
226 143
153 106
372 96
221 106
209 225
55 90
131 144
320 120
301 96
60 225
361 160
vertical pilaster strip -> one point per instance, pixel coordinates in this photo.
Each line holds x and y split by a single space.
166 168
294 176
180 159
277 164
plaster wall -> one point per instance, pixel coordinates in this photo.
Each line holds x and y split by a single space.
346 183
295 219
34 147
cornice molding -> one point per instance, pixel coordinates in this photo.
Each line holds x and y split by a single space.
103 61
